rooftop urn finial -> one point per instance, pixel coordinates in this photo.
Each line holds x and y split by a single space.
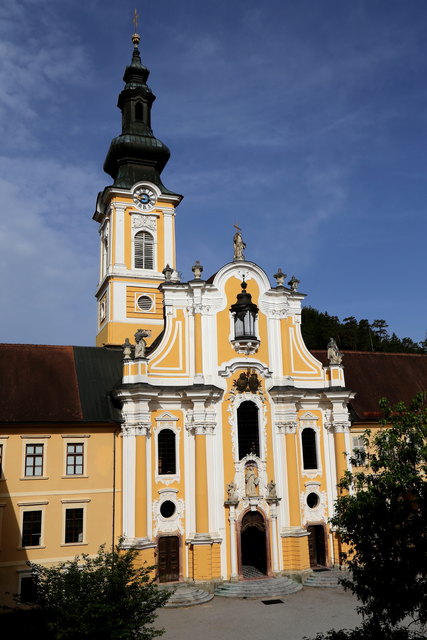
279 277
197 269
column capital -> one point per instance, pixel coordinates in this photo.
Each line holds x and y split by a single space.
287 427
140 429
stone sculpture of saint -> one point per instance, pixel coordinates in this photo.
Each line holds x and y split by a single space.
334 354
239 245
140 344
251 481
272 494
232 492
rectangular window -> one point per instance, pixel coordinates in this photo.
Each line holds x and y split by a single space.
73 525
34 460
75 459
27 592
31 528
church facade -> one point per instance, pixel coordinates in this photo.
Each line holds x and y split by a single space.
200 429
234 434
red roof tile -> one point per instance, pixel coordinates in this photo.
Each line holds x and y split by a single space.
396 376
38 384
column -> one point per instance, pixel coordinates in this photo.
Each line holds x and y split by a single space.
293 475
129 463
233 542
141 485
201 489
340 451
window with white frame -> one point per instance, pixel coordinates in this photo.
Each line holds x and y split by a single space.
75 459
309 448
166 452
31 528
143 250
74 525
34 460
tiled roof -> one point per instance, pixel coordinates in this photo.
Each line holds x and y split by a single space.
45 383
396 376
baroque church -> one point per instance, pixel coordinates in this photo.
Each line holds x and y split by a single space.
200 429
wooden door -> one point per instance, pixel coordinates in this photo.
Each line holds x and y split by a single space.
316 545
168 564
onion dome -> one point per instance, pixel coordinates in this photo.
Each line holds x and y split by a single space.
136 154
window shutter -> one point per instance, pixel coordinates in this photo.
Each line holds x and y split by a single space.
144 251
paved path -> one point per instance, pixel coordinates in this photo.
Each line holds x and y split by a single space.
302 614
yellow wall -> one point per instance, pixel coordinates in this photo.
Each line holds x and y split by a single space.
54 492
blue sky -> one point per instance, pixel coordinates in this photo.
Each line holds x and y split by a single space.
303 121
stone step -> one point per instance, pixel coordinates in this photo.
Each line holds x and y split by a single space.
324 579
266 588
186 595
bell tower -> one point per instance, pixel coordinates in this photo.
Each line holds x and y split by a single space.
136 217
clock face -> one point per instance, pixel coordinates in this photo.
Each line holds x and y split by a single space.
145 198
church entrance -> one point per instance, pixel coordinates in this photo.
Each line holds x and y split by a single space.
168 559
253 545
316 545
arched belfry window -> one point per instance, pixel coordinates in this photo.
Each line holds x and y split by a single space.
144 250
309 449
248 429
166 452
245 313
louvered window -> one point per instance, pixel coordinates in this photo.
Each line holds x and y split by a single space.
144 251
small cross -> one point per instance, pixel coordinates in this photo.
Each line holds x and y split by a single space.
237 227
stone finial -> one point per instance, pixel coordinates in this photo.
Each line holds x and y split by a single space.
127 349
197 269
334 354
168 272
280 277
140 344
293 283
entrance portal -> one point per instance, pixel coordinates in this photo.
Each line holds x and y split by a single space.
168 566
316 545
253 544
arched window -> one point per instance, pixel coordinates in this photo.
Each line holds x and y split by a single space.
247 429
166 453
144 250
309 451
139 111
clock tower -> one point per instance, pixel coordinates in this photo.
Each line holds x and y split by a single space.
136 216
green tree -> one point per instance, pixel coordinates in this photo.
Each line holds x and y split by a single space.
106 597
382 520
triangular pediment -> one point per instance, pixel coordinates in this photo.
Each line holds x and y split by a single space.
166 416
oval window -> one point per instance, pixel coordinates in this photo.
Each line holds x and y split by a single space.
167 509
313 500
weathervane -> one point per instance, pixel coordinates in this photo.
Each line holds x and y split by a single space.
135 37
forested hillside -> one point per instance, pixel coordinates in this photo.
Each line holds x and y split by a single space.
354 335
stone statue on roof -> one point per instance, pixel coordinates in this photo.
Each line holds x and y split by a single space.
140 344
334 354
239 245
